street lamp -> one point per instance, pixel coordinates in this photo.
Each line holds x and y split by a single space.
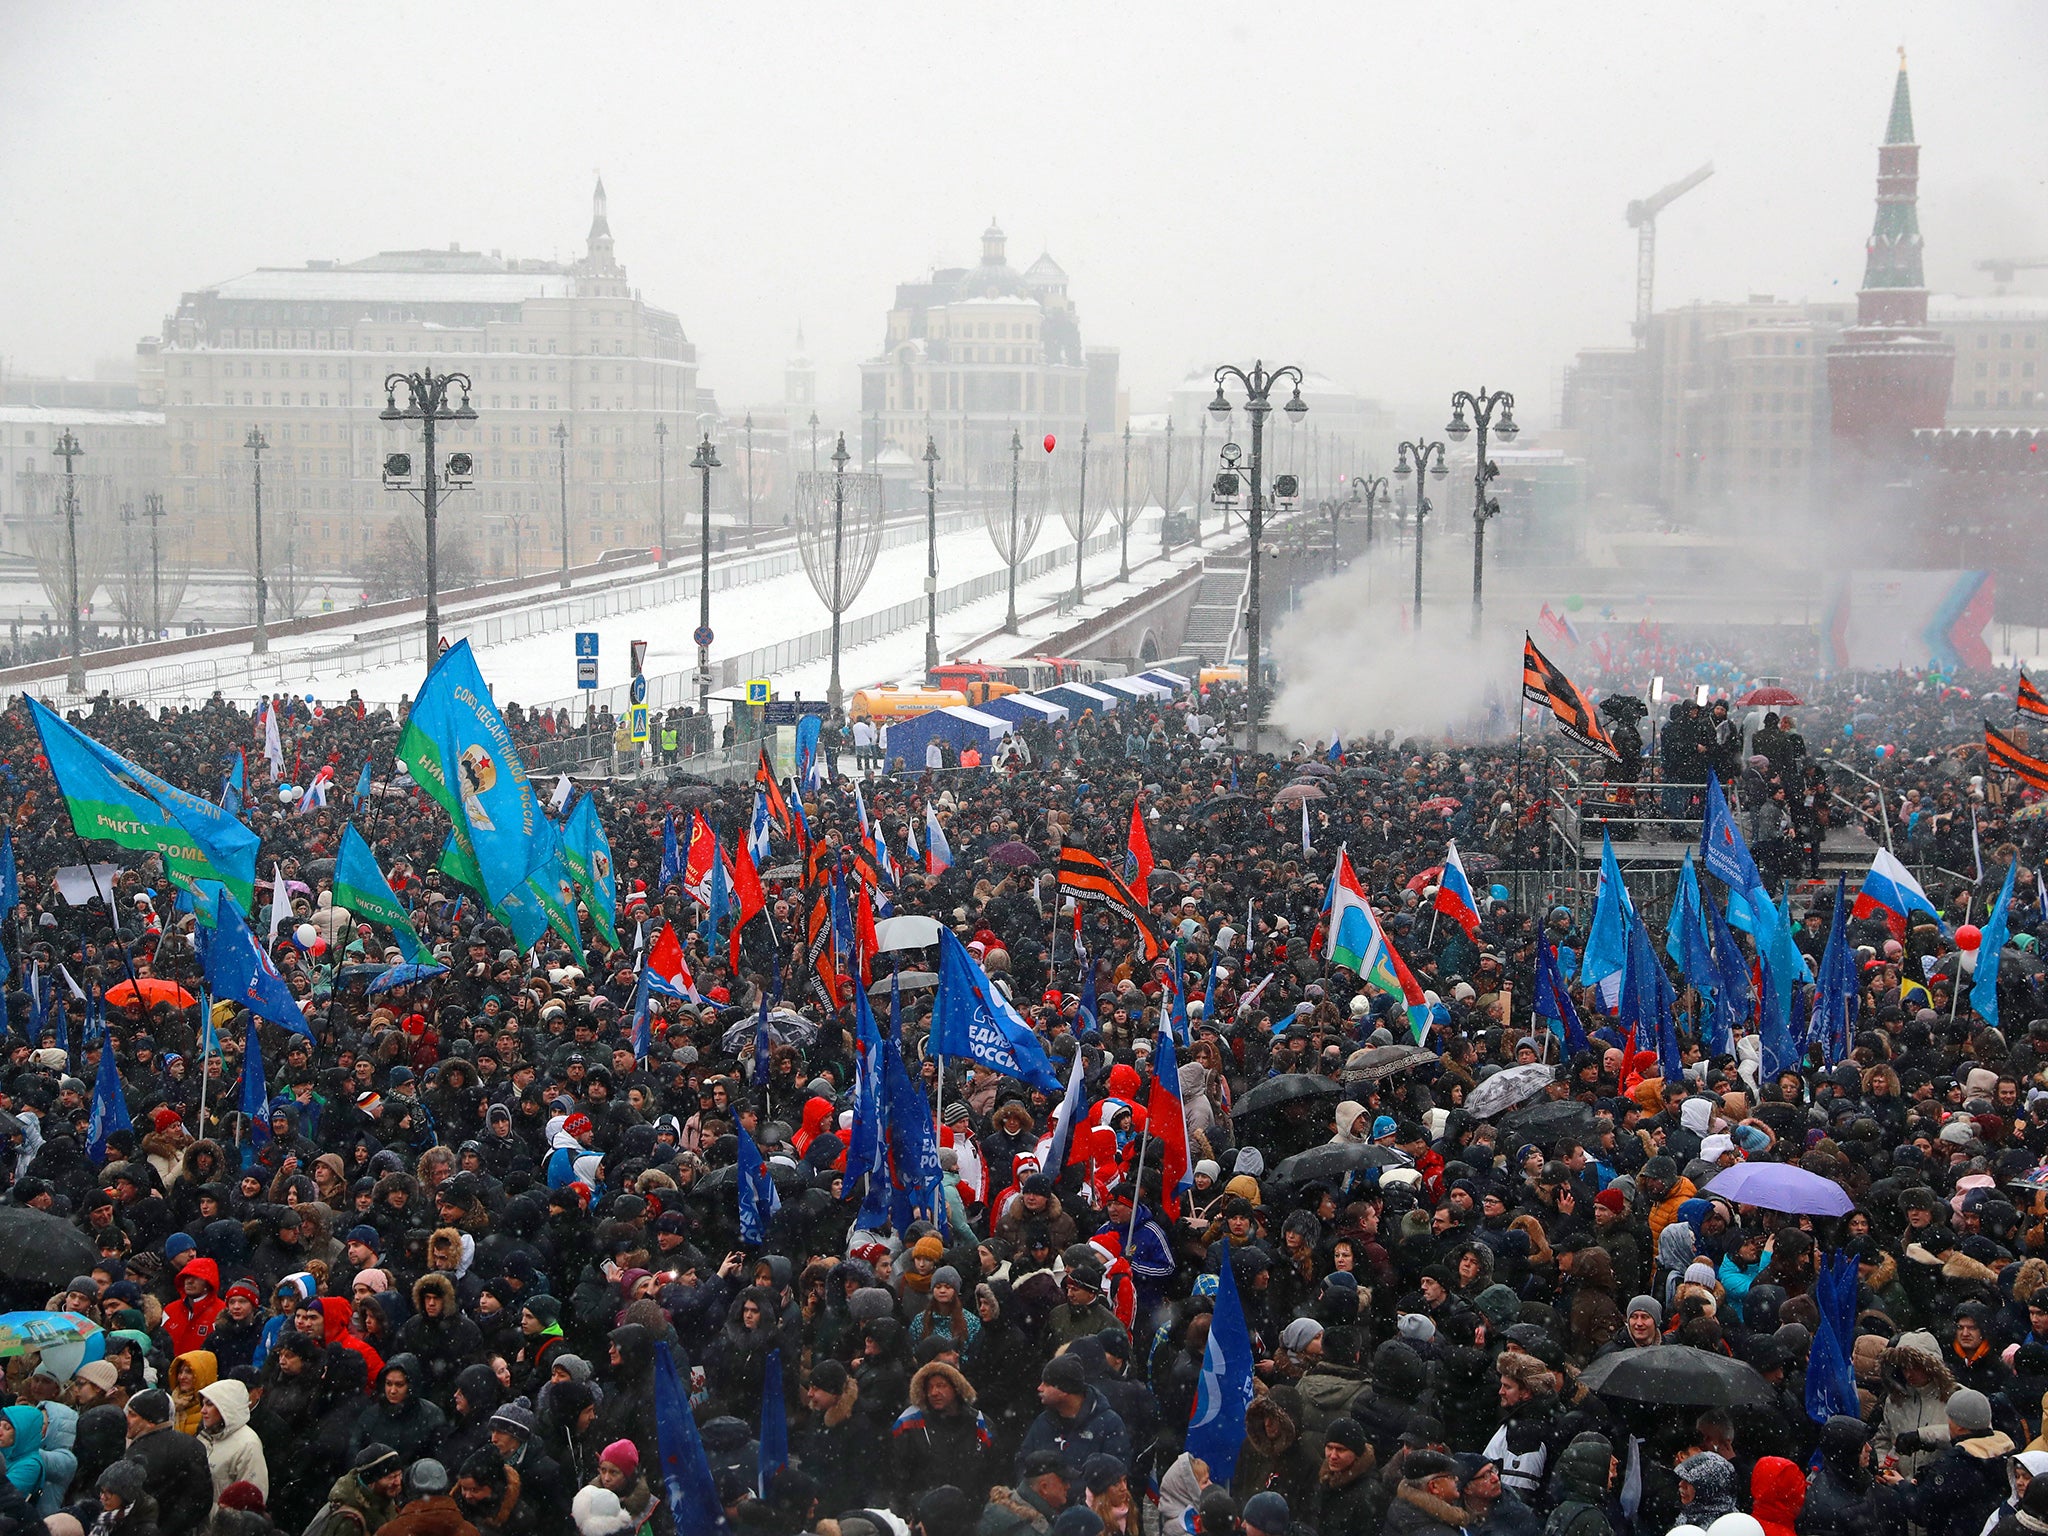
1016 471
68 449
1258 387
839 460
1417 457
561 436
1484 507
661 498
256 443
705 462
428 402
931 556
814 442
1081 521
153 509
750 479
1371 491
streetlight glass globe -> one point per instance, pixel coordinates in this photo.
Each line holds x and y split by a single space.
1221 404
1458 428
1295 405
1439 469
1507 430
1403 469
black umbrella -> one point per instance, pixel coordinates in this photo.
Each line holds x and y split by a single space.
1218 805
1289 1088
790 1181
1547 1121
42 1251
1384 1061
314 868
2011 962
1334 1159
1678 1376
693 794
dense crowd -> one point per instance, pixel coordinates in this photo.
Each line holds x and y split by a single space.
431 1294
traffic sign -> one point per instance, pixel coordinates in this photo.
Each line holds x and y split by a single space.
757 690
639 649
586 644
639 690
789 711
637 718
586 672
702 634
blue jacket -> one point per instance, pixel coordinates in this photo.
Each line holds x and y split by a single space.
1095 1430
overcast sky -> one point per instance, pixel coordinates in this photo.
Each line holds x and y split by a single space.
1408 197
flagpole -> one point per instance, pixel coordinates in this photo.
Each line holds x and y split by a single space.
1956 993
205 1020
1137 1178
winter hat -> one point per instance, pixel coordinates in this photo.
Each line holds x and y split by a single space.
1266 1511
1416 1327
376 1279
243 1495
1064 1373
152 1406
429 1476
826 1376
125 1480
1077 1520
377 1460
516 1417
1611 1200
1971 1410
929 1247
99 1373
623 1454
1102 1473
1700 1273
1648 1304
946 1274
177 1243
1348 1433
1299 1334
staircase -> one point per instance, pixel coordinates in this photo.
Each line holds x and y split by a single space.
1214 616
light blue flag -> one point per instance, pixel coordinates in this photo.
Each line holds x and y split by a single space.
458 750
865 1153
109 1106
1783 967
808 729
972 1019
238 970
588 854
1607 943
362 789
917 1179
1722 849
1216 1430
360 886
10 879
1984 990
774 1443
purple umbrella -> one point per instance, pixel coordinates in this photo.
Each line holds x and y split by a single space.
1012 855
1780 1187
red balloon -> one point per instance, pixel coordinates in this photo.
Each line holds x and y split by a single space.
1049 441
1969 936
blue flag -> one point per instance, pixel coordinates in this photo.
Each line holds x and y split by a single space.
1835 1004
1554 1002
237 779
916 1178
1607 943
1216 1429
643 1014
774 1443
671 854
109 1106
1737 994
761 1043
1690 944
10 879
685 1473
1722 849
1179 1014
865 1154
759 1199
362 789
1782 969
236 969
808 729
1208 988
255 1100
973 1020
1984 990
1830 1378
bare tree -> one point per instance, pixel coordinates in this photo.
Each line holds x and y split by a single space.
289 575
147 586
99 534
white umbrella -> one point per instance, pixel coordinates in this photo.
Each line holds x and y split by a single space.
1507 1088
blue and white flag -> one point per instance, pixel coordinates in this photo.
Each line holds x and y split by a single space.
972 1019
109 1106
758 829
1216 1429
685 1471
759 1199
237 969
1722 849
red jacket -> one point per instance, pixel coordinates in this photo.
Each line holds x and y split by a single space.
340 1334
1777 1493
189 1322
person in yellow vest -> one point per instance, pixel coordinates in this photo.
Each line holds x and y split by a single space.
669 739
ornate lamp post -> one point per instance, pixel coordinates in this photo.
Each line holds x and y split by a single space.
256 443
153 509
1416 458
750 479
1371 491
705 462
430 399
840 456
67 448
1484 507
1258 386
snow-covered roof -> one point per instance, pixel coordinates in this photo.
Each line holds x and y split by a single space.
74 416
331 286
2004 306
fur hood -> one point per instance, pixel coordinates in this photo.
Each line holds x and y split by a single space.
1960 1266
1886 1272
922 1380
1429 1504
440 1285
2032 1275
189 1161
1014 1501
843 1405
1920 1349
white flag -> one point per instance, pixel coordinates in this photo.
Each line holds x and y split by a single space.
273 744
563 790
280 904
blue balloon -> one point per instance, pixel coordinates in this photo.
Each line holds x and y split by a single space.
1498 893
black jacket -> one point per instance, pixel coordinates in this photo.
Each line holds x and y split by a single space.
178 1478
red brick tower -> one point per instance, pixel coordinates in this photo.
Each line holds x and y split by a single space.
1889 374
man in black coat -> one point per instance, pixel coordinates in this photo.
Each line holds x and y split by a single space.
174 1465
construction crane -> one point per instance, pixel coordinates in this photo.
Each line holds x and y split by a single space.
1642 218
2002 268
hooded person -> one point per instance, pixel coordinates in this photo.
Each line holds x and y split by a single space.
190 1372
21 1449
1706 1487
1777 1494
1842 1497
234 1453
1583 1469
941 1438
399 1414
190 1318
1917 1386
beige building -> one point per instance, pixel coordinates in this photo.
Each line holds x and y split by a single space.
302 353
2001 344
972 354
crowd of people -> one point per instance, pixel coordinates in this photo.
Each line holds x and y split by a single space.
430 1293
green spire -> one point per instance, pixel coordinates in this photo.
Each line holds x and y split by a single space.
1899 129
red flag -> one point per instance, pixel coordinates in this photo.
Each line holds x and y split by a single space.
865 939
666 961
746 887
1141 853
697 859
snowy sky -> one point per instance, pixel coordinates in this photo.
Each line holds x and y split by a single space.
1408 197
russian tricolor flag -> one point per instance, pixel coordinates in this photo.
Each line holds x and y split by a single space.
1454 894
938 853
1166 1121
1891 889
